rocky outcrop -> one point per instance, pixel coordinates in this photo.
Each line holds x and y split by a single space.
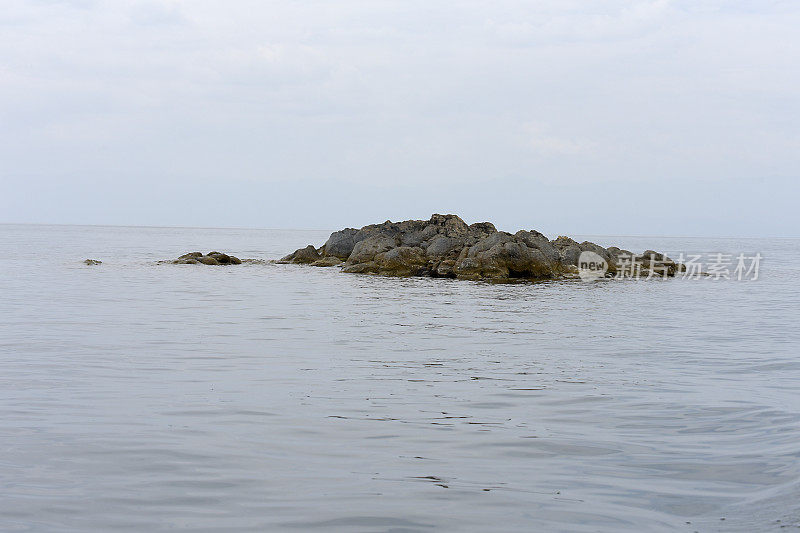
211 258
445 246
92 262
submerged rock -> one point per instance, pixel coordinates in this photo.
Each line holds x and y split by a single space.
445 246
92 262
211 258
327 261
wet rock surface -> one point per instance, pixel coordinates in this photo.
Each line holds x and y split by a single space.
445 246
211 258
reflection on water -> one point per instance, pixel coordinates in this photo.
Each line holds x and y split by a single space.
149 397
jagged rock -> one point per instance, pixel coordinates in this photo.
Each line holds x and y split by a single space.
445 246
451 225
483 229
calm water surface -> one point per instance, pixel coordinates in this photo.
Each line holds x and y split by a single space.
153 397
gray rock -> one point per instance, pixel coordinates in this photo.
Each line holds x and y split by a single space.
340 244
516 260
445 246
468 268
367 249
486 243
482 229
430 231
451 225
440 246
411 226
444 269
657 264
618 253
651 254
501 256
534 239
224 259
402 261
541 267
587 246
563 242
570 254
514 255
359 268
303 255
211 258
415 238
592 247
327 261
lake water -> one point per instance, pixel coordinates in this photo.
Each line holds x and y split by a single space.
149 397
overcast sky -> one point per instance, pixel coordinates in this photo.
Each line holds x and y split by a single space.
595 117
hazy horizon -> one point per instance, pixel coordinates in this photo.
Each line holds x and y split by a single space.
616 118
551 235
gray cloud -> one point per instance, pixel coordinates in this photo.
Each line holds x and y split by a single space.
561 103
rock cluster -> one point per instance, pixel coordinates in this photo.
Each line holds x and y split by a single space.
445 246
211 258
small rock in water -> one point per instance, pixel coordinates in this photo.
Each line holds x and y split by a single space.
92 262
211 258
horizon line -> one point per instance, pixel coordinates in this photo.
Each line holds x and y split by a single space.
782 237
